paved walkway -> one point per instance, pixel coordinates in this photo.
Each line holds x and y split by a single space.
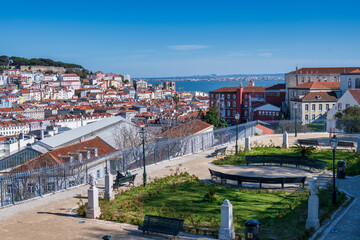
348 228
51 217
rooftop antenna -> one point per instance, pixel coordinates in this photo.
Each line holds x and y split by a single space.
241 83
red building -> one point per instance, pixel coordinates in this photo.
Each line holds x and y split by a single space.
232 100
276 94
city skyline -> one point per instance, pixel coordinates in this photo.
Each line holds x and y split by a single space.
160 39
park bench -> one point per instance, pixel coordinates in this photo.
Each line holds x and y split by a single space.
288 160
218 151
346 144
130 179
308 142
171 226
240 179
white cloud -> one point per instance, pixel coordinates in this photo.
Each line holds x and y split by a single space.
265 54
188 47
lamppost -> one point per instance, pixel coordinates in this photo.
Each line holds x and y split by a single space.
237 117
143 136
334 143
295 107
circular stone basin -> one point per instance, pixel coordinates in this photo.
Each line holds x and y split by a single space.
269 171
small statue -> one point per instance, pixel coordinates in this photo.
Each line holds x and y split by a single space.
92 179
313 186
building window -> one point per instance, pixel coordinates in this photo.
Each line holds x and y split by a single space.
335 79
266 113
228 96
347 105
357 83
320 107
259 113
306 117
302 79
277 113
306 107
234 112
313 107
228 104
313 117
245 113
228 112
234 103
234 96
319 79
339 106
325 79
327 107
98 174
309 79
246 96
349 84
246 104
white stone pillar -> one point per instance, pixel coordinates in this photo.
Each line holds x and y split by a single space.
226 231
285 140
358 145
93 210
109 193
313 207
247 144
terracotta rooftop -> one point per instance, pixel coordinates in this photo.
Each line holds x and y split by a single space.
356 94
53 157
321 96
327 70
319 85
186 129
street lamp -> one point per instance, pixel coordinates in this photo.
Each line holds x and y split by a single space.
143 136
237 117
334 143
295 107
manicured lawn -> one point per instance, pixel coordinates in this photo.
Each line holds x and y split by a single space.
282 215
352 159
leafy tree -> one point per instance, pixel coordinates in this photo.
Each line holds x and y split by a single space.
212 117
349 120
176 99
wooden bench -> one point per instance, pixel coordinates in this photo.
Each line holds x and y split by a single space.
240 179
218 151
346 144
308 142
282 159
130 179
171 226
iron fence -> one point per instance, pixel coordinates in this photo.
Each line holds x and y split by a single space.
18 187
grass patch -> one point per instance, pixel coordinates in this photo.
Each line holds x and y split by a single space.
352 158
282 214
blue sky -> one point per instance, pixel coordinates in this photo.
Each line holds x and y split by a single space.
176 38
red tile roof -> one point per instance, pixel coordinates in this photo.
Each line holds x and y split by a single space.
356 94
321 96
187 129
326 70
53 157
226 89
319 85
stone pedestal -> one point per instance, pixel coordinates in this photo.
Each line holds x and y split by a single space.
93 210
109 193
285 140
247 144
226 231
313 207
358 145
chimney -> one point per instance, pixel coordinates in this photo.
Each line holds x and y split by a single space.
93 151
85 154
67 159
41 134
76 156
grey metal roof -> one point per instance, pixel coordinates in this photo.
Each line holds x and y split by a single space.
63 138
